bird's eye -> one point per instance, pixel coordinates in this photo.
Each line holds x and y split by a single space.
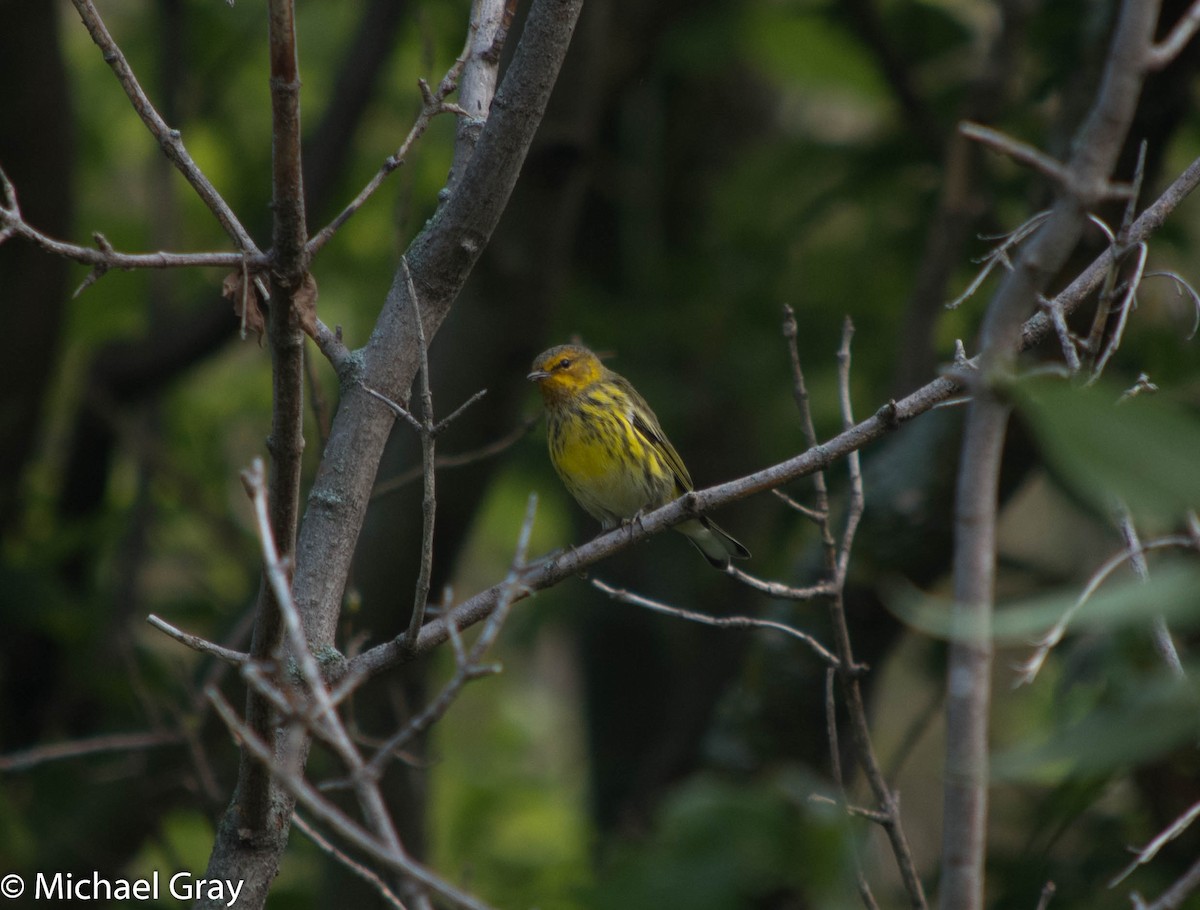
564 363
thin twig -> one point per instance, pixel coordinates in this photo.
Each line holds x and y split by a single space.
1173 897
432 104
810 513
1163 52
1148 852
357 868
1095 150
835 766
853 466
1126 306
169 139
1034 158
468 664
196 643
722 622
999 255
1018 151
1027 671
428 460
1137 561
331 815
505 442
328 723
778 589
837 557
78 748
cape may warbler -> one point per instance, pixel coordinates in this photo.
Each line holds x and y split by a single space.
609 450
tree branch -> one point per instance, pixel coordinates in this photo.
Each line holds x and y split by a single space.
440 259
969 673
169 139
548 572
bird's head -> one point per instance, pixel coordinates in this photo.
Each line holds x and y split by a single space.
565 371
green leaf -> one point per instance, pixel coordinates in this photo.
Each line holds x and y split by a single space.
1149 721
1172 592
1144 452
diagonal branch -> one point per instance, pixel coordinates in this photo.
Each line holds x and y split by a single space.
169 139
549 572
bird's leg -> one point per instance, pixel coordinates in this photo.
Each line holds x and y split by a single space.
633 522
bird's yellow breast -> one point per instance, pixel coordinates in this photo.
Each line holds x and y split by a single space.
604 462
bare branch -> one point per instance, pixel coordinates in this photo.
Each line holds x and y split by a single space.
1141 386
1137 560
854 514
1066 340
169 139
1096 147
1183 287
469 666
196 643
837 560
1031 157
1028 670
1162 53
778 589
332 816
440 427
722 622
999 256
505 442
835 765
1018 151
96 745
428 456
1173 897
103 257
548 572
1127 304
287 174
490 20
398 409
328 723
809 513
432 105
1148 852
357 868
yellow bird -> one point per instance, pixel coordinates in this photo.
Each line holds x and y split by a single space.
608 448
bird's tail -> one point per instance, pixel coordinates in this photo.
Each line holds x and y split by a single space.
714 543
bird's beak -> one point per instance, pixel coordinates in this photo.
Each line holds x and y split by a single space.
537 375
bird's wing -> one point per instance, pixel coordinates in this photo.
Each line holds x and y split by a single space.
645 423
